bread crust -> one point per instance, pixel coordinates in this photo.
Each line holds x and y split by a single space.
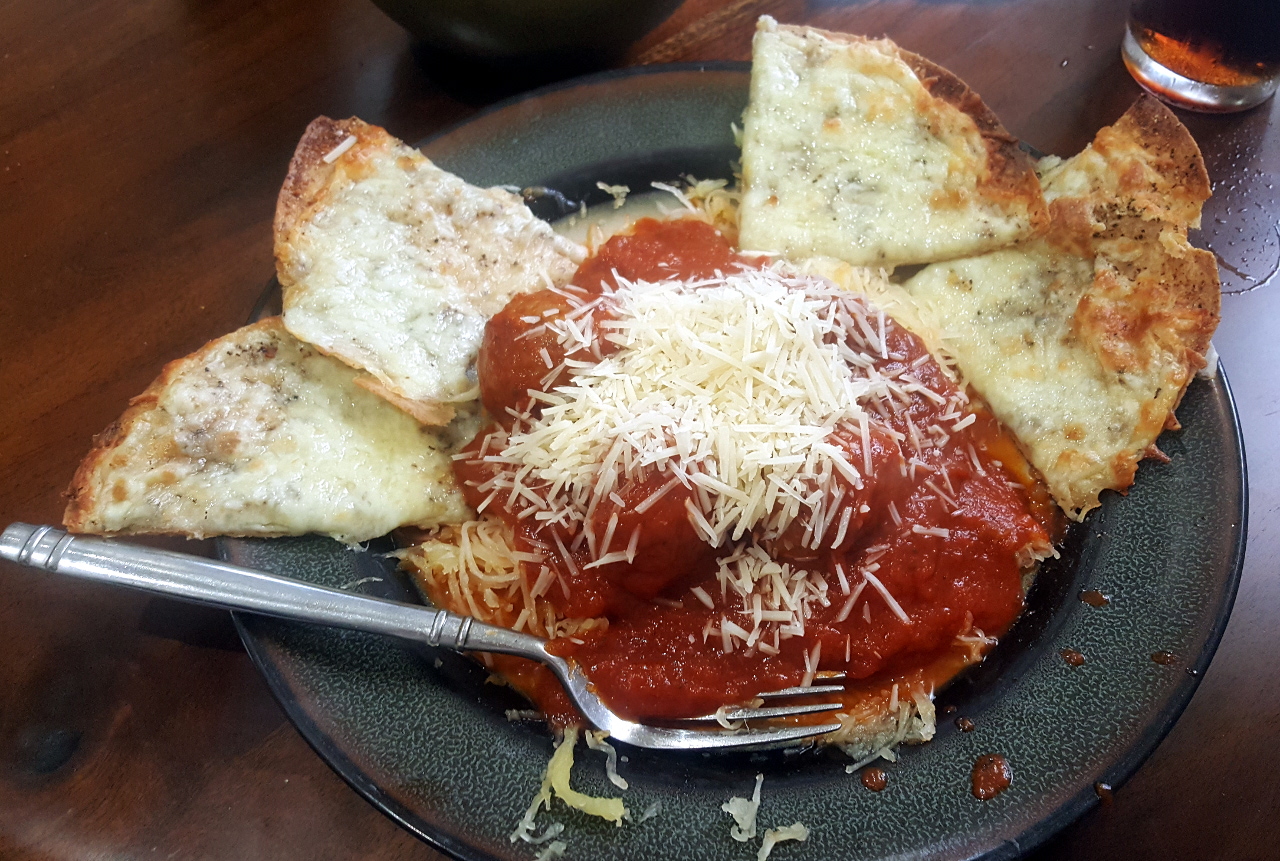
429 413
87 493
1170 153
1132 305
82 494
970 187
391 264
1155 301
309 180
258 434
1146 184
307 190
1011 176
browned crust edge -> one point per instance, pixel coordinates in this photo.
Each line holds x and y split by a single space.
1147 139
1011 181
1185 299
1012 176
83 493
1174 152
1174 292
306 189
1198 298
307 183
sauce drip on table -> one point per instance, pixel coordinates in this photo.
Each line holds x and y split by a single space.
943 527
1104 792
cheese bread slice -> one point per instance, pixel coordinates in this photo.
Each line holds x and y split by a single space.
1083 341
259 434
856 149
393 265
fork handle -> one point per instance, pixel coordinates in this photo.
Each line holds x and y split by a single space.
194 578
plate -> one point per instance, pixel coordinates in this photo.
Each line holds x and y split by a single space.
422 736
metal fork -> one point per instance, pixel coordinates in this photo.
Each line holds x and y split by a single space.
194 578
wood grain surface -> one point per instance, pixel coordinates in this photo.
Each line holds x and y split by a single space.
142 143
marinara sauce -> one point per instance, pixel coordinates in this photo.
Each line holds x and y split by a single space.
941 528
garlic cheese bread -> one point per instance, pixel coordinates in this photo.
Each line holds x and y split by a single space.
393 265
259 434
1082 342
856 149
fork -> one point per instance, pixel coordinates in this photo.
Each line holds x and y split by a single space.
194 578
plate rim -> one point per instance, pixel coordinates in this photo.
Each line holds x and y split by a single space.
1155 731
332 754
593 79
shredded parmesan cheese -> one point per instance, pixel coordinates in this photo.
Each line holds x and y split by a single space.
555 849
774 836
617 192
754 394
730 387
336 153
596 741
650 812
743 811
731 384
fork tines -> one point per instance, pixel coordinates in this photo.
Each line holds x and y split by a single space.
762 712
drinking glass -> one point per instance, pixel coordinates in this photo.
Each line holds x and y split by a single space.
1205 55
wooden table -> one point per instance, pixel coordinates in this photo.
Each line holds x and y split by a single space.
142 143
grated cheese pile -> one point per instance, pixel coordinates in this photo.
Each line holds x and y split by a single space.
732 387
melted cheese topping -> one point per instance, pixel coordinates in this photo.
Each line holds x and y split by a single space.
258 434
846 154
1083 342
399 268
1009 317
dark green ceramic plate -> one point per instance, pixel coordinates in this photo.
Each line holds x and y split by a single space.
423 738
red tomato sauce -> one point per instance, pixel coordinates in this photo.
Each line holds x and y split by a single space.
942 534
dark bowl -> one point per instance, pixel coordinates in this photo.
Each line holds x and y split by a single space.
531 39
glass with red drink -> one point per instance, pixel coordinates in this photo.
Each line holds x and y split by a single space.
1208 55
